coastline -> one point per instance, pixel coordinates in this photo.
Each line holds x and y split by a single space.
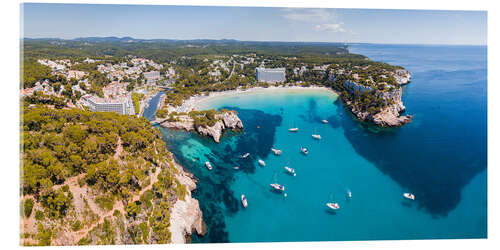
186 216
196 102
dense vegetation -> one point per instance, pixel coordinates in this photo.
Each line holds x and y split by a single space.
63 144
136 98
32 71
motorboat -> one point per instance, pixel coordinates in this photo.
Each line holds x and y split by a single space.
244 201
333 205
262 163
276 151
293 129
278 187
245 155
317 137
290 170
349 194
324 121
208 165
304 150
236 167
409 196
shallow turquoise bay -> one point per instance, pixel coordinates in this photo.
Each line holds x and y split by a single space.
441 160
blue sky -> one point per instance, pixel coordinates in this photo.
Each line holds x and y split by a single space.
255 24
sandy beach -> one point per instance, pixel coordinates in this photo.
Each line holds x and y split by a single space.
195 102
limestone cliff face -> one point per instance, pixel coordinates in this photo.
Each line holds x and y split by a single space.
389 116
184 122
225 120
186 217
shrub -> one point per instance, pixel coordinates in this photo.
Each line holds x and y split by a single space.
27 206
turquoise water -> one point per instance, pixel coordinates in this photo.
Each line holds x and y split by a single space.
440 157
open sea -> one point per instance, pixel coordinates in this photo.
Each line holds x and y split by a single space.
441 157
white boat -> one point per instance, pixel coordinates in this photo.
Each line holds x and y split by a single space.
317 137
290 170
409 196
349 194
245 155
278 187
244 201
293 129
262 163
304 150
208 165
276 151
333 205
236 167
324 121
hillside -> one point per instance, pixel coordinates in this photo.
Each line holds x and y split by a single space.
98 178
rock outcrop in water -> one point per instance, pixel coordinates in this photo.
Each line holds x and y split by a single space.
223 120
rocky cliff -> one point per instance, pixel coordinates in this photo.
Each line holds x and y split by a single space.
390 114
224 120
186 217
402 76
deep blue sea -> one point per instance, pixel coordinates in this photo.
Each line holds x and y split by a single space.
441 157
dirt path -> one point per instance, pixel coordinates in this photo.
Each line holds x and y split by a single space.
80 195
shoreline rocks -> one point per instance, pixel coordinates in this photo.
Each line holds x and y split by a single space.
402 76
186 216
225 120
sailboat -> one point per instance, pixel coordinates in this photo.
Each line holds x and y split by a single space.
333 205
244 201
293 129
262 163
316 136
304 150
278 187
290 170
276 151
208 165
409 196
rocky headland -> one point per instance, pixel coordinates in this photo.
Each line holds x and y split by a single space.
388 100
220 121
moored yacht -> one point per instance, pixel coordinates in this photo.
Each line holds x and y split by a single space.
276 151
278 187
304 150
317 137
262 163
409 196
244 201
290 170
208 165
333 205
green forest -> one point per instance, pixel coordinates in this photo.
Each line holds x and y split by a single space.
62 144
